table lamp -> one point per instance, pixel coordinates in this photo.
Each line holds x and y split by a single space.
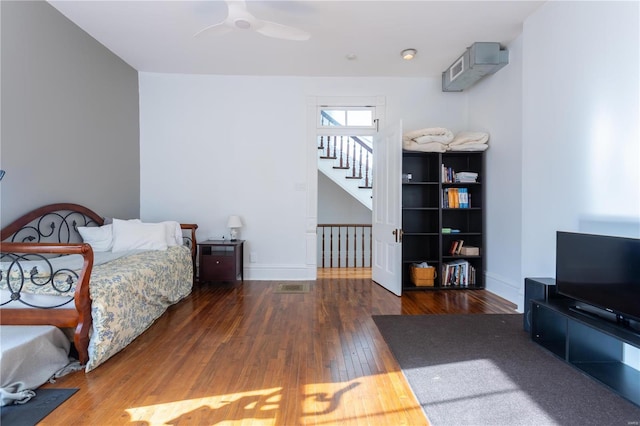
234 223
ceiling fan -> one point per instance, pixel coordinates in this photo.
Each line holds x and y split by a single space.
239 17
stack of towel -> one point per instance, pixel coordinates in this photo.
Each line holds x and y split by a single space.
470 141
440 139
432 139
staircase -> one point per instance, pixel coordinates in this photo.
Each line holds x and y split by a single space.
348 161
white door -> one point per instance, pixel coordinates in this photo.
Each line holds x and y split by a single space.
386 268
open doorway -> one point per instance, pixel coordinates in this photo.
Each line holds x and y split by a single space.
344 134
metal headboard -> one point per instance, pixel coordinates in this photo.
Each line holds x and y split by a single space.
54 223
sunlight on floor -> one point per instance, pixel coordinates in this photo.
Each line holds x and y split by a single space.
315 402
263 401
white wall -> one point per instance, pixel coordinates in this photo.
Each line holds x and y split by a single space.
564 151
218 145
581 149
495 106
580 129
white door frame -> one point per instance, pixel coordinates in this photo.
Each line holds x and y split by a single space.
312 163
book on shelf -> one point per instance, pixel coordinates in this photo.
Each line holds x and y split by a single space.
450 230
452 197
456 198
458 273
463 198
456 247
449 175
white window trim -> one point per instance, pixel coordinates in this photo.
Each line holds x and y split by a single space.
347 127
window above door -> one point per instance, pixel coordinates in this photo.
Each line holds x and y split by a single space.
349 117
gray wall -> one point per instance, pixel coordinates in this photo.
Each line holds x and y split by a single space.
335 205
70 117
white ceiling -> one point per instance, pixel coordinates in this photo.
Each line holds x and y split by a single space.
157 36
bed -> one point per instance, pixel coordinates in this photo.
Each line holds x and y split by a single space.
50 275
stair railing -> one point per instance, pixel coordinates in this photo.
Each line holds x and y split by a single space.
350 152
344 245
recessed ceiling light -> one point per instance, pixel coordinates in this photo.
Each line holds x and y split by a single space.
351 56
408 54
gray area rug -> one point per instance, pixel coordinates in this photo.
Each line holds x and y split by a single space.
482 369
31 413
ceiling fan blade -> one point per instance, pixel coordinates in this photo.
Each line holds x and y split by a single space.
275 30
215 29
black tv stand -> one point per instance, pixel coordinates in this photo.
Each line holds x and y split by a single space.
588 342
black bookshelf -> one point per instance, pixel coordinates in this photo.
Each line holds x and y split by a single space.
425 212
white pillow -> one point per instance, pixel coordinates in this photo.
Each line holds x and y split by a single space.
128 235
99 237
173 233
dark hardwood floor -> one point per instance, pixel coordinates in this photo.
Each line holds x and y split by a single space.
247 354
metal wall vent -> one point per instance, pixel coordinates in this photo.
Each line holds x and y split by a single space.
480 59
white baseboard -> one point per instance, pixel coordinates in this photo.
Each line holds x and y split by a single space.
506 289
259 272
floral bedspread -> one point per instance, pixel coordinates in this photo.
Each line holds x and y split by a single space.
128 294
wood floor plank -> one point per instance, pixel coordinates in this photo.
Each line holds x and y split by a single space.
246 354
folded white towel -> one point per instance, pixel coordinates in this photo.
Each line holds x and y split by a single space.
430 134
470 137
428 139
411 145
469 147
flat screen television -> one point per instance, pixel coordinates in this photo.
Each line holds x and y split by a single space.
601 271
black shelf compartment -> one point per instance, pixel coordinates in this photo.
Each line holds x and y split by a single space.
464 161
420 194
593 345
465 220
406 274
420 247
420 220
469 240
423 167
475 261
474 192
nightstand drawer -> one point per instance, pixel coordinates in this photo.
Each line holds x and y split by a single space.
217 268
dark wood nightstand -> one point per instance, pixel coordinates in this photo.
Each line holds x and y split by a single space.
221 260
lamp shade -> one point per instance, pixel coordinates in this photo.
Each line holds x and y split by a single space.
234 222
